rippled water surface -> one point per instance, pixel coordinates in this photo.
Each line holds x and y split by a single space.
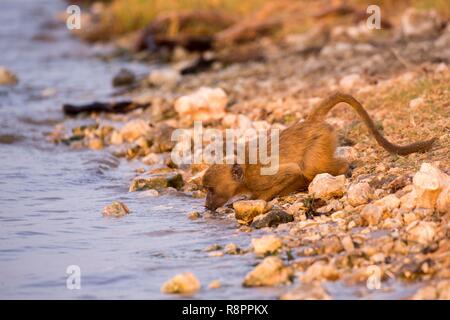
51 197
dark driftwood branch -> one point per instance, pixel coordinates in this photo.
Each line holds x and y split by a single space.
110 107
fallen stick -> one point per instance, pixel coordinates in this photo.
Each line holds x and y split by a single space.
110 107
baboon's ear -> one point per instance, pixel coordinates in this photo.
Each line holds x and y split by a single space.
237 172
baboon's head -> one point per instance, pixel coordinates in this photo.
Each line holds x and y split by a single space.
223 181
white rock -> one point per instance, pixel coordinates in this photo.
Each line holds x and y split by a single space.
388 203
443 201
152 159
247 210
320 271
215 284
417 23
266 244
417 103
7 78
359 193
230 120
350 81
372 214
116 137
184 283
428 183
164 77
203 105
347 243
151 193
116 209
271 271
134 129
326 186
421 231
347 153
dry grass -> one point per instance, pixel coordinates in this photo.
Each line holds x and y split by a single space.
128 15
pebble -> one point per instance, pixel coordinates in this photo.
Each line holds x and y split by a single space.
7 78
272 218
359 193
266 245
203 105
116 209
184 283
271 271
247 210
372 214
325 186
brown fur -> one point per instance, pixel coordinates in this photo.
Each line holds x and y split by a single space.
305 150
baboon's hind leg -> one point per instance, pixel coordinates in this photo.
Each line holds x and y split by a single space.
320 155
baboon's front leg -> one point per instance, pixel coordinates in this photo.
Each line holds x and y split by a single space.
287 175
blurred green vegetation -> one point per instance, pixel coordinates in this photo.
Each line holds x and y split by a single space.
123 16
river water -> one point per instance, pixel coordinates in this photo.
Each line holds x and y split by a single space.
51 197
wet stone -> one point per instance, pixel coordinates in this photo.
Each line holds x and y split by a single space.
116 209
272 219
157 181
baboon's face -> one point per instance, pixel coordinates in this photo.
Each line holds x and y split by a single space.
221 185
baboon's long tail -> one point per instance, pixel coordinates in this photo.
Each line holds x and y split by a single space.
323 109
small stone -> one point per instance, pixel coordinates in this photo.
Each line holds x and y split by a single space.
7 78
164 77
95 144
417 103
332 206
232 248
157 181
409 217
391 223
149 193
216 254
350 81
271 271
272 218
123 78
203 105
247 210
116 209
184 283
215 284
443 201
194 215
213 247
420 24
425 293
388 203
428 182
152 159
326 186
359 193
134 129
116 137
320 271
347 153
372 214
347 243
266 245
421 232
307 291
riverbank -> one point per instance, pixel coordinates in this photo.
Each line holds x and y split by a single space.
382 223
